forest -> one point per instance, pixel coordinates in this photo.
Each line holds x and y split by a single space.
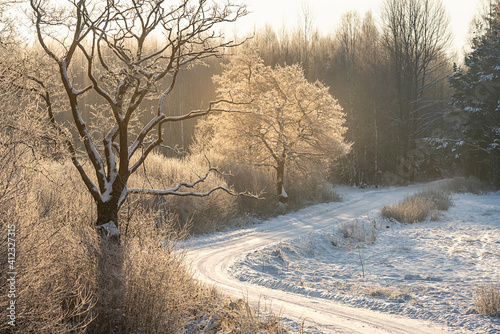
127 123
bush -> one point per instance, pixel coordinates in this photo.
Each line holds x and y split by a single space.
418 207
487 299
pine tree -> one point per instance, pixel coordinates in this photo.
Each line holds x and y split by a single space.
477 88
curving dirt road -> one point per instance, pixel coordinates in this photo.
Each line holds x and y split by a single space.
212 256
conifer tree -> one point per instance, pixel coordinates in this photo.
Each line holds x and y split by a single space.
477 95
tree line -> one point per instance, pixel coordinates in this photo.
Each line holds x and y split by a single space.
407 116
390 80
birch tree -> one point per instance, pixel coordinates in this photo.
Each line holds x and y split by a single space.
288 121
125 69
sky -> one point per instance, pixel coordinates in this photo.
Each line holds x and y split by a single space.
327 13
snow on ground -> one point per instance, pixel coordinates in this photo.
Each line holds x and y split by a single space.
427 270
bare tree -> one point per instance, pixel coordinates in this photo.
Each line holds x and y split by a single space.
304 33
416 36
266 40
289 123
125 69
358 62
348 35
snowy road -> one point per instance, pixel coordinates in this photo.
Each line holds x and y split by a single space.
212 257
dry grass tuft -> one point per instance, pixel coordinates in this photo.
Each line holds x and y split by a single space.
487 299
359 231
418 207
387 291
410 210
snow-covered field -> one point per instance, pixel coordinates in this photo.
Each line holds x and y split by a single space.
428 271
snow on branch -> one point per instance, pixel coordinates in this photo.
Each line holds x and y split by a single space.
190 193
176 191
211 109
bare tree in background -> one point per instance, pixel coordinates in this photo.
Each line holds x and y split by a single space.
304 34
358 60
124 70
348 37
482 21
416 35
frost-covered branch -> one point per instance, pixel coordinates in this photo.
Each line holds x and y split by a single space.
44 93
177 190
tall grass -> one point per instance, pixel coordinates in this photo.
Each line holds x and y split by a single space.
201 214
56 251
418 207
487 299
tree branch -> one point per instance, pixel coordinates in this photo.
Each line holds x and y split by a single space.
46 97
176 191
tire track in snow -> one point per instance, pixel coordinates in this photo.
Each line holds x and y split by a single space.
211 257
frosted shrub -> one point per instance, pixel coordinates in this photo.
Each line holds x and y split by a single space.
410 210
441 199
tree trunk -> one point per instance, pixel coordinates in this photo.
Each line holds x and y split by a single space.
280 188
111 292
107 212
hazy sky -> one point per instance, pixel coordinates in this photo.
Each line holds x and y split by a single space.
327 13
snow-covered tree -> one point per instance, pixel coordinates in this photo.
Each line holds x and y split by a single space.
477 88
132 51
287 122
